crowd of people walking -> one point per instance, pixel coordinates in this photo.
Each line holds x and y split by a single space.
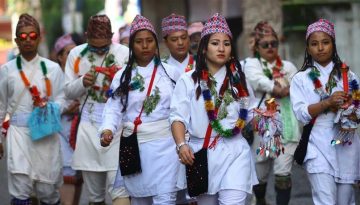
118 119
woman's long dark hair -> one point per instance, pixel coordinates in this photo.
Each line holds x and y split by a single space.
309 61
123 90
201 65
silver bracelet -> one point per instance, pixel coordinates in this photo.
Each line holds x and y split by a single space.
178 146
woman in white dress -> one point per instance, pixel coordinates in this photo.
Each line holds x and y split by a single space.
317 92
218 77
140 103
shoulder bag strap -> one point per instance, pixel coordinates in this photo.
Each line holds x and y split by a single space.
137 120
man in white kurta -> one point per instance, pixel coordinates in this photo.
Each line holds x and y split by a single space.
176 38
33 166
269 76
86 82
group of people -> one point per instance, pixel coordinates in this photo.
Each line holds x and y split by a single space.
168 131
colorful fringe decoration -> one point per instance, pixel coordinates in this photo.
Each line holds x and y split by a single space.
348 115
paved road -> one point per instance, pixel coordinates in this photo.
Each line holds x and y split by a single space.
301 194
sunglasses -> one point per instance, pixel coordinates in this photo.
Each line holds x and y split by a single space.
99 49
273 44
32 35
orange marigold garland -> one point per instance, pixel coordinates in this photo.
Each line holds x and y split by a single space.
33 89
78 59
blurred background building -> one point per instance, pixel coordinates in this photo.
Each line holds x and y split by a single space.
289 18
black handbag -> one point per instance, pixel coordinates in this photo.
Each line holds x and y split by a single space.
129 155
197 174
301 149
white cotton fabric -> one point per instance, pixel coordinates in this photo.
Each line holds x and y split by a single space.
89 155
148 131
159 161
180 66
230 156
341 162
40 160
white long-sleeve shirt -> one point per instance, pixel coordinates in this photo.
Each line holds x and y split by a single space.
191 112
24 155
74 87
89 155
340 161
112 115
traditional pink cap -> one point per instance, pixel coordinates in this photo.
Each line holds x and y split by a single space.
216 24
27 20
125 33
141 23
99 27
172 24
62 42
195 27
321 25
263 28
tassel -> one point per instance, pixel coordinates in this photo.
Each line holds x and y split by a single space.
76 65
48 86
73 131
84 51
43 68
24 79
18 62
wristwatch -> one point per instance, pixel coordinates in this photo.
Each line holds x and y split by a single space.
178 146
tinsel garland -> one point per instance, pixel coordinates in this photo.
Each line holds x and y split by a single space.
213 118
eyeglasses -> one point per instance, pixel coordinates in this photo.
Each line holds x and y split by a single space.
99 49
273 44
32 35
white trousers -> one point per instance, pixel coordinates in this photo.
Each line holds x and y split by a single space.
162 199
325 191
97 182
223 197
22 187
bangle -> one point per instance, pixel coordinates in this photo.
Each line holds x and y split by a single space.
108 132
178 146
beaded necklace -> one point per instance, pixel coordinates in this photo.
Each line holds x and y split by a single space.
33 89
211 108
